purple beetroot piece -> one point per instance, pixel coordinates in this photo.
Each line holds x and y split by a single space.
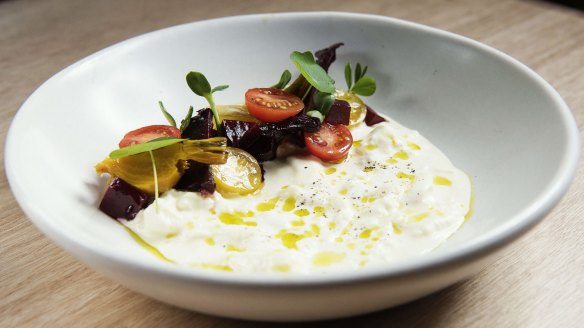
240 134
372 118
198 177
122 200
200 126
340 113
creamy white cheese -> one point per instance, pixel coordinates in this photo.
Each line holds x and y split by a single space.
396 196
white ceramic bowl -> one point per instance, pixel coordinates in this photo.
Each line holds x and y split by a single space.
496 119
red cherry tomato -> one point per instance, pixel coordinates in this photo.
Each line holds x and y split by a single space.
272 105
148 133
331 143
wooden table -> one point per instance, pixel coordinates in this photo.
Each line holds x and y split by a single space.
538 282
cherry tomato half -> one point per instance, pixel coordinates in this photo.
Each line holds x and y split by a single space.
148 133
331 143
272 105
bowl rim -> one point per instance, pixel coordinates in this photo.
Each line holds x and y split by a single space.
479 247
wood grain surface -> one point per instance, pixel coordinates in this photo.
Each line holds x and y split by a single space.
537 282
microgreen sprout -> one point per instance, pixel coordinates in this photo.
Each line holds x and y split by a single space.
144 147
186 121
155 179
312 72
359 83
166 114
284 80
322 103
200 86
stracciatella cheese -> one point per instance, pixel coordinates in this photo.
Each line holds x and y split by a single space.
396 196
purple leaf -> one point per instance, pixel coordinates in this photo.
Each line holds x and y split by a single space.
325 57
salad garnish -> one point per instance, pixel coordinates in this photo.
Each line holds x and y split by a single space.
284 80
221 148
363 85
200 86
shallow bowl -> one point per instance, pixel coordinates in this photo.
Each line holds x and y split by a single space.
496 119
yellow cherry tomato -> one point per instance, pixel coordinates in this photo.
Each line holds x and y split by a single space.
240 175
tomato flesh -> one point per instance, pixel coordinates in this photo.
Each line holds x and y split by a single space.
272 105
331 143
148 133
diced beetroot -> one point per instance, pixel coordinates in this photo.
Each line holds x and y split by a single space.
200 126
291 125
372 117
197 178
272 134
122 200
240 134
340 113
263 149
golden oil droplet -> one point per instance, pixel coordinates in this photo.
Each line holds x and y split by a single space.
371 147
402 175
289 204
414 146
365 234
442 181
319 211
391 161
343 192
281 267
330 170
346 229
210 241
236 218
211 266
171 235
315 229
267 206
146 245
302 212
233 248
298 223
419 217
357 143
289 239
327 258
401 155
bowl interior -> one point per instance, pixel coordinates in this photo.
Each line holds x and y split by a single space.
495 119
